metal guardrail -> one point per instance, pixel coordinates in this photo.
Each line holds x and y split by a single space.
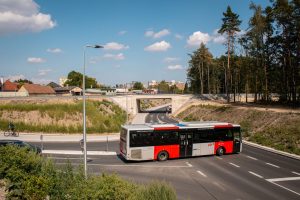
294 156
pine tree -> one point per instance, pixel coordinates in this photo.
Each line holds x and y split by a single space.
230 26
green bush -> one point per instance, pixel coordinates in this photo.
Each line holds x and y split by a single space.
30 176
157 191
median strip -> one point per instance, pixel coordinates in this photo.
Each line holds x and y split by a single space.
274 180
65 152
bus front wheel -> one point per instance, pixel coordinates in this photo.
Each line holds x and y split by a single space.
162 156
220 151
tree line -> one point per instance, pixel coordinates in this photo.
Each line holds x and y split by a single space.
265 61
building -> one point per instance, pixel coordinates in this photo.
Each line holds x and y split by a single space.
150 91
35 89
180 85
53 85
121 90
103 91
62 81
9 86
69 90
1 83
152 84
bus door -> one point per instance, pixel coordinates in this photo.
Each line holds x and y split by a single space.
186 144
237 141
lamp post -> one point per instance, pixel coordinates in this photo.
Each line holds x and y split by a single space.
84 112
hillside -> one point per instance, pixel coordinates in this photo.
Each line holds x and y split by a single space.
61 116
280 130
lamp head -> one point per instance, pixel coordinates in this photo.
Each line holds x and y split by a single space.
95 46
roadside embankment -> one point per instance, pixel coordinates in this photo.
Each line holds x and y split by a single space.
55 116
279 130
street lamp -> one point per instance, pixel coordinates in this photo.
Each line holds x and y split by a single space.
84 113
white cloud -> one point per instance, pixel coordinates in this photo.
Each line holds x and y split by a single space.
115 46
178 36
197 38
14 77
119 56
55 50
35 60
159 34
241 33
175 67
42 81
43 72
170 59
149 33
122 32
18 16
219 39
158 46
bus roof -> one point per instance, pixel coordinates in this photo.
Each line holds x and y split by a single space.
180 125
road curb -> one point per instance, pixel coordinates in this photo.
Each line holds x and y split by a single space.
294 156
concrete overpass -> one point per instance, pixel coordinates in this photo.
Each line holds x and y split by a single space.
130 102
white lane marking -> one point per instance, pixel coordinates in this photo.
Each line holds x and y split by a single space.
283 179
129 165
62 158
255 174
64 152
285 188
188 164
201 173
272 165
252 158
219 158
234 165
296 173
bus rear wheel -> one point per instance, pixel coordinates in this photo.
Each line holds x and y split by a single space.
162 156
220 151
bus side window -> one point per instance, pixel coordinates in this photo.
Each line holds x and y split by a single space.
197 138
203 136
223 134
173 137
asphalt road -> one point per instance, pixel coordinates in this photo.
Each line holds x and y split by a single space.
238 176
252 174
159 117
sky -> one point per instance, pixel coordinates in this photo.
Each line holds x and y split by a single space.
44 40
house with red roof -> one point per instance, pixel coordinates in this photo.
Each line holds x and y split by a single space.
35 89
9 86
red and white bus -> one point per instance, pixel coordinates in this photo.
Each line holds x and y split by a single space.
166 141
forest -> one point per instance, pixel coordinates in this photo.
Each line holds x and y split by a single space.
263 62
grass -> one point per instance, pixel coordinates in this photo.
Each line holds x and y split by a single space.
102 116
278 130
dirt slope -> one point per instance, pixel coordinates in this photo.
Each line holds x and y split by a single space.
269 127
